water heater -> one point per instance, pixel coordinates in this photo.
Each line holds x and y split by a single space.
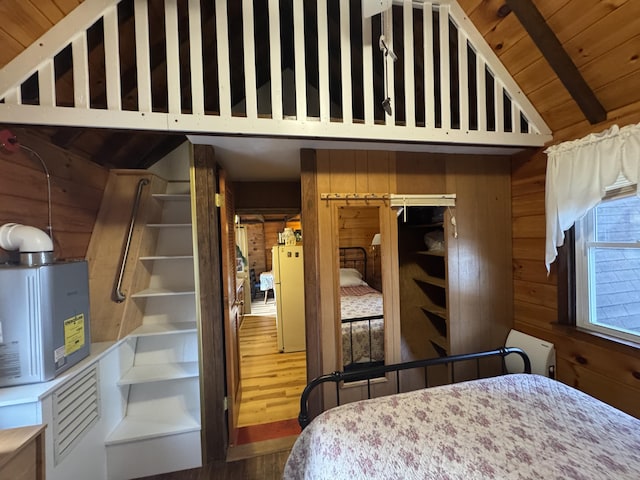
44 320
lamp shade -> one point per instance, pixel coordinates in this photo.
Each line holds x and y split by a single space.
376 239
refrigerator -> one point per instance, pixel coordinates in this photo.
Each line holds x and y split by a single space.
288 285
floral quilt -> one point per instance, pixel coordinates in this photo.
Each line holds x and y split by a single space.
509 427
363 340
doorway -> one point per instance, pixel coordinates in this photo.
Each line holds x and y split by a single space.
271 381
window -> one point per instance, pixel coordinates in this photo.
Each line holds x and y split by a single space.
607 261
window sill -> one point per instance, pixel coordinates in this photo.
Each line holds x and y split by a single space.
600 339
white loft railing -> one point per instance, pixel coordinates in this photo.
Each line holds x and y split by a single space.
272 67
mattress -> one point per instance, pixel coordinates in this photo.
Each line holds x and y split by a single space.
513 426
363 337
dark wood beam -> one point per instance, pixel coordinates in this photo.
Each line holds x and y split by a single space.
65 137
553 51
112 145
215 438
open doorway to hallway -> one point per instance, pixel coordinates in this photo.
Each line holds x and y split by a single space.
271 381
272 372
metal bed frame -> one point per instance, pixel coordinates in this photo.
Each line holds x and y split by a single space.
378 371
354 257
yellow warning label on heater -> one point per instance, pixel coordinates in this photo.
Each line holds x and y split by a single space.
73 334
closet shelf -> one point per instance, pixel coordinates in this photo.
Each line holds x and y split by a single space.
435 309
439 345
158 373
438 282
432 253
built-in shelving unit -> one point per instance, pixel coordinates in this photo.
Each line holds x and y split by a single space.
423 267
162 384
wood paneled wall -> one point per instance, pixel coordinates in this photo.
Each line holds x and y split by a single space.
482 298
357 226
345 171
111 320
271 230
478 258
77 186
605 369
257 246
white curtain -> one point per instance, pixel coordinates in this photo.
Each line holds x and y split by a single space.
579 171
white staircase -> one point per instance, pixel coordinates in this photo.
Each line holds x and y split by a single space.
161 429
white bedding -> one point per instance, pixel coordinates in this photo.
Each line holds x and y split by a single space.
509 427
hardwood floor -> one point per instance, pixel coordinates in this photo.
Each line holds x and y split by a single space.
271 381
264 467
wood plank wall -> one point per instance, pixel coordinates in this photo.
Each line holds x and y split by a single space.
346 171
357 226
483 268
478 259
607 370
77 186
111 320
257 247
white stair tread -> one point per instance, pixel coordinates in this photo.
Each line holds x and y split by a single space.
168 225
172 196
159 372
168 257
171 423
161 292
164 328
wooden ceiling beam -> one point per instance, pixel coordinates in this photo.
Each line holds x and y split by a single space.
552 50
66 137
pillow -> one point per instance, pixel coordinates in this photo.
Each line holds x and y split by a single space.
350 277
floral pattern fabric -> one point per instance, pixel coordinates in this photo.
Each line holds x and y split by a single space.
362 340
509 427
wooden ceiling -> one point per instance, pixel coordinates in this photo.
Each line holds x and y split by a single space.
600 37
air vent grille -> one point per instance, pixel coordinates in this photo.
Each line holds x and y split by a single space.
76 408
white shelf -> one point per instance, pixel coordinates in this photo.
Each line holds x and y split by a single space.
171 423
159 372
172 196
168 225
167 257
161 292
164 329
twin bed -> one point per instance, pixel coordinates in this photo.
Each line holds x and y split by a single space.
511 426
361 312
516 426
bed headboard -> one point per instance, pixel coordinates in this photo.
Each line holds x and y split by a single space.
354 257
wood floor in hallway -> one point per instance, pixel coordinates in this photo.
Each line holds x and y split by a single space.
271 381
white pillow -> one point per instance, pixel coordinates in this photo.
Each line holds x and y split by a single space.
350 277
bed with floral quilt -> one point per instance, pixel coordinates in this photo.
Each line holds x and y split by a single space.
516 426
